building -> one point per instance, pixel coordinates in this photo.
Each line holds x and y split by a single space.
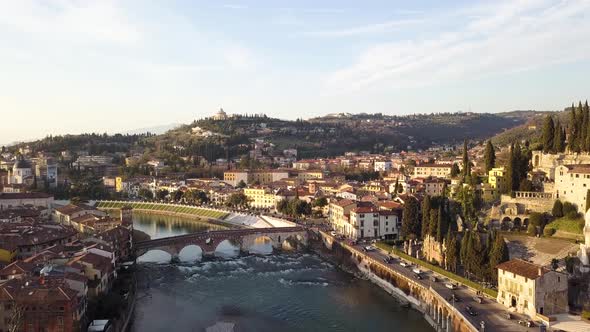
432 170
22 172
65 214
43 304
496 177
310 175
370 222
258 176
260 197
572 183
220 115
434 186
338 214
383 165
20 199
532 289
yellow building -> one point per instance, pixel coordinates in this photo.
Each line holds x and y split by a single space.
496 177
7 252
260 198
310 175
118 184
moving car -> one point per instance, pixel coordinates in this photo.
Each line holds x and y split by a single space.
369 248
404 264
450 285
478 299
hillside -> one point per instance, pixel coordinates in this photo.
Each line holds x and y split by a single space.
334 134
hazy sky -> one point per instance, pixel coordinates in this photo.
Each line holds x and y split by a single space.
76 66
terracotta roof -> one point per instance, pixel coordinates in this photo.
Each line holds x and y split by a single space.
24 195
523 268
344 202
581 168
364 209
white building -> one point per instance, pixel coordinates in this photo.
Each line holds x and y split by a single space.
572 183
21 172
434 170
382 165
370 222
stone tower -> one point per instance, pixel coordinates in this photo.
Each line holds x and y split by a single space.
126 215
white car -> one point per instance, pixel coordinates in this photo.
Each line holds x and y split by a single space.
333 233
416 270
450 285
404 264
369 248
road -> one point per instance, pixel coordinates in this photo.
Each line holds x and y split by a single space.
491 312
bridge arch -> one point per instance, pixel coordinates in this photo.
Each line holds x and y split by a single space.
156 255
190 253
227 249
261 244
292 242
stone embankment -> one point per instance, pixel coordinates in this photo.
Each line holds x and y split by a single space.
442 315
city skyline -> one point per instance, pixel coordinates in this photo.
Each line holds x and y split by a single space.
110 66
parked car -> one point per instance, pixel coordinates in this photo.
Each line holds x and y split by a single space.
450 285
478 299
416 270
369 248
404 264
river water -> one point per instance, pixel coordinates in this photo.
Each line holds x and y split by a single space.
277 292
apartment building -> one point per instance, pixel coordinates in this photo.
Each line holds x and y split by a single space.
572 183
433 170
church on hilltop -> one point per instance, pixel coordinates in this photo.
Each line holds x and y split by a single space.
220 115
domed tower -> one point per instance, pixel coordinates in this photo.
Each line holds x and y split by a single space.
220 115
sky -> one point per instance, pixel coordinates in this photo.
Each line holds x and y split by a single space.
72 66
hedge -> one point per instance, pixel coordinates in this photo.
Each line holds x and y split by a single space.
439 270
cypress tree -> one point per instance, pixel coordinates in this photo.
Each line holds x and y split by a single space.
572 139
583 128
587 201
557 210
441 228
558 139
466 163
425 216
433 225
548 134
465 248
498 254
411 219
452 251
510 176
489 156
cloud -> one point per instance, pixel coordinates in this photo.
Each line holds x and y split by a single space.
67 20
507 37
370 28
234 6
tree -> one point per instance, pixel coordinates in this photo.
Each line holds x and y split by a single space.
466 162
531 230
145 194
498 254
465 247
452 252
525 185
241 184
489 156
569 210
411 219
548 134
161 194
455 170
557 210
442 225
237 200
425 216
587 201
433 222
559 138
320 202
573 134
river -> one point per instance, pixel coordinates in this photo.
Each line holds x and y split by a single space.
286 292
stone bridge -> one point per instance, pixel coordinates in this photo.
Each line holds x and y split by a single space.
279 237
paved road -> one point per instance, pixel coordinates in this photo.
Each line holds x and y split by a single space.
489 311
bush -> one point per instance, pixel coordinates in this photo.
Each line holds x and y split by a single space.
531 230
586 314
557 210
548 231
572 215
536 219
569 208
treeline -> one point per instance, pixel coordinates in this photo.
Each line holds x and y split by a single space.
577 132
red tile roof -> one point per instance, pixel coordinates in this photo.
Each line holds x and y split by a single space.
523 268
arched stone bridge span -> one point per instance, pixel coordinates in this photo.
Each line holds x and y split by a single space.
279 237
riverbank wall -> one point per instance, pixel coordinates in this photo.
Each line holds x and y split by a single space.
441 315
